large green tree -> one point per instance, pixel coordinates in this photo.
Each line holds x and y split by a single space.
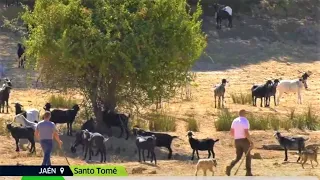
114 51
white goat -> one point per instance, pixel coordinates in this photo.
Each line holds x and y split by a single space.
33 115
291 86
25 122
206 164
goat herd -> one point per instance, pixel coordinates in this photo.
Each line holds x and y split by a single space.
267 90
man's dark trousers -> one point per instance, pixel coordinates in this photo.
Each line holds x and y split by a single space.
242 147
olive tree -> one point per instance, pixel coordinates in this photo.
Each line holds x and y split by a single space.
114 51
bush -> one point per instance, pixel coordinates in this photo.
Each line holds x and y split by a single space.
192 125
61 102
241 98
161 122
224 121
307 120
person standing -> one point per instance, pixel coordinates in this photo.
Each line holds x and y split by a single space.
45 132
243 144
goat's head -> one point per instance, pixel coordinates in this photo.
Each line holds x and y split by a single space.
76 107
269 82
9 126
47 107
305 75
85 134
276 81
214 161
190 134
277 134
18 105
8 82
224 81
304 82
19 45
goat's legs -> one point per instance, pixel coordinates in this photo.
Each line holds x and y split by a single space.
209 153
196 173
154 157
85 152
286 154
299 97
219 102
139 155
170 153
7 106
213 154
210 169
299 154
17 146
70 128
127 132
144 160
121 129
215 101
198 154
222 101
316 162
33 146
311 163
274 100
304 161
204 172
261 102
193 154
279 96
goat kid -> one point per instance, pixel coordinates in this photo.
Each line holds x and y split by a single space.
22 133
206 164
94 140
146 143
201 145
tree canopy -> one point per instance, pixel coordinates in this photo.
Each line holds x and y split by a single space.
114 51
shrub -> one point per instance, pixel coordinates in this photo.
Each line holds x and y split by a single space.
241 98
224 121
192 125
161 122
59 101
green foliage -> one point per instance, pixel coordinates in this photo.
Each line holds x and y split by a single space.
114 51
306 120
58 101
224 121
241 98
192 125
161 122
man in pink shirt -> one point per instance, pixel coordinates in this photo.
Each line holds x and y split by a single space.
240 132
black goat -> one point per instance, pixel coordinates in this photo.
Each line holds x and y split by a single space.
5 94
79 141
89 125
260 91
201 145
147 143
272 92
162 139
21 55
94 140
22 133
118 120
63 116
287 142
222 12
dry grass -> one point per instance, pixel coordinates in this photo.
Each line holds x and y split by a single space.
241 98
59 101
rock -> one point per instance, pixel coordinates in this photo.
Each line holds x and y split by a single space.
138 170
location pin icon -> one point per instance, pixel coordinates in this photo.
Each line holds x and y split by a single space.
61 170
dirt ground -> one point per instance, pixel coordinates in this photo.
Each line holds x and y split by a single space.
252 61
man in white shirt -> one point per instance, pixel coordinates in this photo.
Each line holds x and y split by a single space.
240 132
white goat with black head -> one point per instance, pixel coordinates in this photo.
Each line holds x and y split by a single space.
219 91
293 86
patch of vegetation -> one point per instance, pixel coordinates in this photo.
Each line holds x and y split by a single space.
59 101
3 128
139 122
192 125
307 120
159 121
224 121
241 98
